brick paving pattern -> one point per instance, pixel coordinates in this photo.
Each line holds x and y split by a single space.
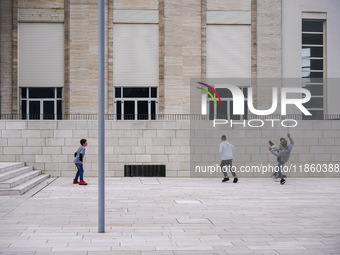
175 216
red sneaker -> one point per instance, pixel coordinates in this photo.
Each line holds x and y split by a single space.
75 181
82 182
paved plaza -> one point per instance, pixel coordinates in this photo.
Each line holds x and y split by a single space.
175 216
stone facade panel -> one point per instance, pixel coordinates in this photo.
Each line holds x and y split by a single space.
11 133
228 5
32 150
15 142
12 150
31 133
15 125
136 4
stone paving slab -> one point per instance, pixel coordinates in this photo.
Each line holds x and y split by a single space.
176 216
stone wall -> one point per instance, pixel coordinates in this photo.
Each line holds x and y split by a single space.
316 142
49 145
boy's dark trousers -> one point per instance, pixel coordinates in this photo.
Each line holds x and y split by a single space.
280 167
228 165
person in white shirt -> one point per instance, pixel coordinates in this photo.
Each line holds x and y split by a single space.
226 150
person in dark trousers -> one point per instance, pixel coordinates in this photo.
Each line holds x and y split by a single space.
226 150
282 140
284 155
78 160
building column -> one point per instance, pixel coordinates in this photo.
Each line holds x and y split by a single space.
66 89
269 50
253 9
161 100
6 91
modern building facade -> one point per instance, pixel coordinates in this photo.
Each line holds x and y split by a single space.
153 50
154 47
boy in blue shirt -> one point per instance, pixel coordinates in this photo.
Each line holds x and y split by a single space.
78 160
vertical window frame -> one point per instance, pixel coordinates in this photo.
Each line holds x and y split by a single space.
324 58
149 99
28 99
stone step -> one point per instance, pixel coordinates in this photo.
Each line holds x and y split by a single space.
24 187
14 173
9 166
19 179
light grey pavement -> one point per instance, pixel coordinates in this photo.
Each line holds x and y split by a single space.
175 216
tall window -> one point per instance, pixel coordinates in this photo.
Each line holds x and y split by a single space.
313 65
41 69
138 103
41 103
225 111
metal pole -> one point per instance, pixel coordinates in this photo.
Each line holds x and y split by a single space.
101 119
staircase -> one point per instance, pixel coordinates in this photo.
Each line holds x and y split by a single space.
16 178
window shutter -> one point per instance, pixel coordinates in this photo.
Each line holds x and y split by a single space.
41 54
135 55
228 51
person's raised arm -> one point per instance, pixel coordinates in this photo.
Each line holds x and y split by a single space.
290 139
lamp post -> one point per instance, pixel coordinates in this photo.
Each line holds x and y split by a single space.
101 118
